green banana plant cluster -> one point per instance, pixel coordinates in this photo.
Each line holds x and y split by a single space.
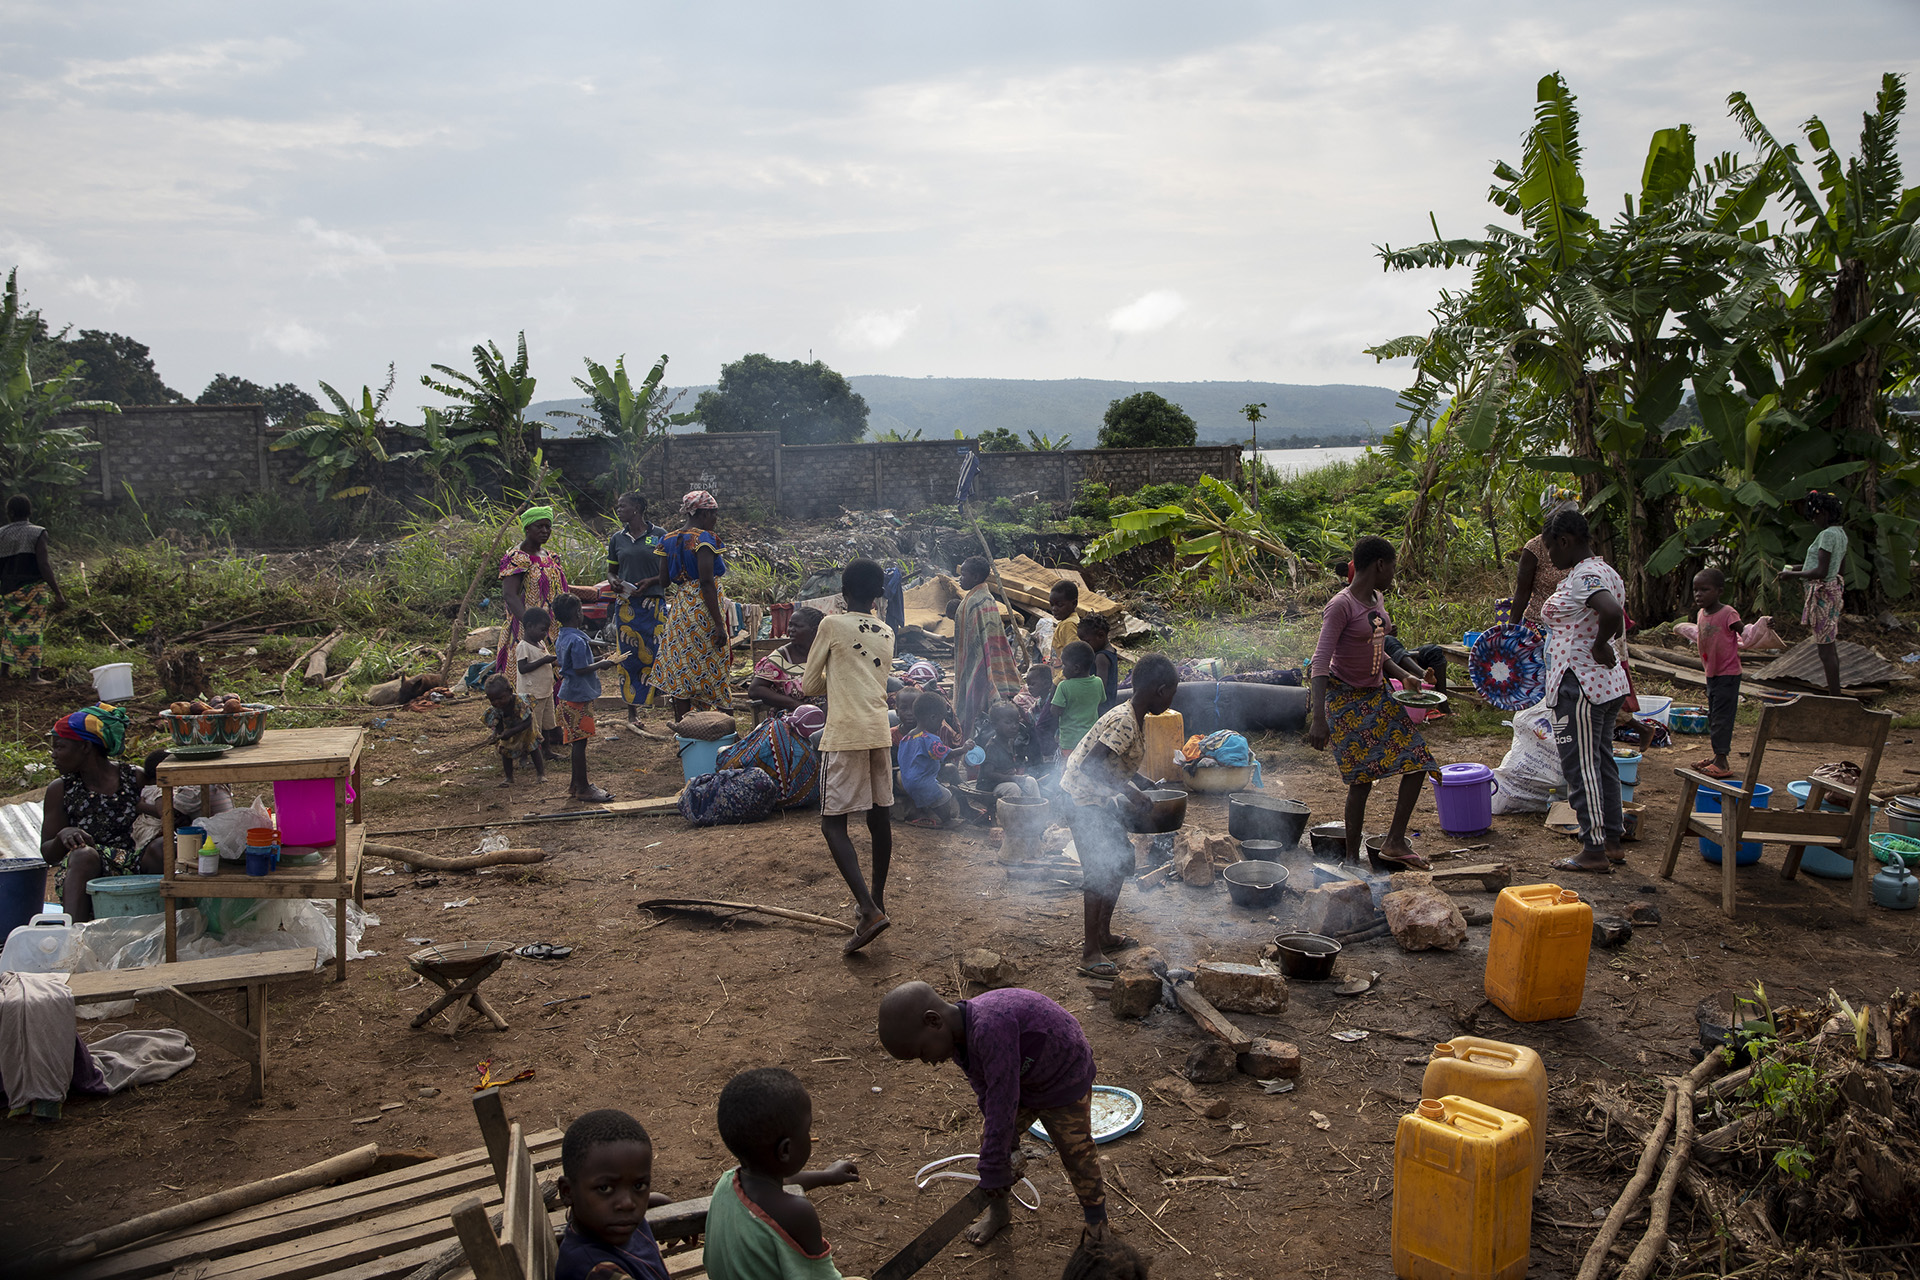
631 418
494 399
346 445
1218 528
37 458
1577 341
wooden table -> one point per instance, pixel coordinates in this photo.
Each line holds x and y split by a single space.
281 755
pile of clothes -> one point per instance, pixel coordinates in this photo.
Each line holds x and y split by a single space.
1224 749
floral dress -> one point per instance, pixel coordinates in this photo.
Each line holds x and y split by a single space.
107 820
543 582
693 660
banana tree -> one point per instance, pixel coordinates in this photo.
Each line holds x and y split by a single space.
631 418
344 445
494 398
37 456
445 445
1043 443
1219 528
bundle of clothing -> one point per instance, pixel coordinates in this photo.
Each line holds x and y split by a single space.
43 1060
1224 749
779 748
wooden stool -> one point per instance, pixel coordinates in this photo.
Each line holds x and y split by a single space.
459 968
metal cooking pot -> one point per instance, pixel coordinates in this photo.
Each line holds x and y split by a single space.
1169 812
1329 840
1307 955
1253 816
1255 883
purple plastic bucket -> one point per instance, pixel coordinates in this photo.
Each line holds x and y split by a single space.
305 810
1707 800
1463 793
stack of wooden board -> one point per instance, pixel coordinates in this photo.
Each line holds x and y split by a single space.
1029 582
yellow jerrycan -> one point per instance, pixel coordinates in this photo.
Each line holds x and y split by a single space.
1166 734
1509 1077
1537 957
1462 1192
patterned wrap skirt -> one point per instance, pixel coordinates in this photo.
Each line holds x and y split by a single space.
1372 736
692 663
638 621
1822 610
23 619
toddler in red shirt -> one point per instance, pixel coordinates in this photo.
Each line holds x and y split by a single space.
1720 628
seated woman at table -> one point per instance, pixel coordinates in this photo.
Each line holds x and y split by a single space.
88 815
776 677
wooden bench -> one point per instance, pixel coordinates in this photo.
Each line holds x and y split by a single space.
171 988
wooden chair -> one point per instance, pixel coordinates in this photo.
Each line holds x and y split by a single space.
1841 722
525 1248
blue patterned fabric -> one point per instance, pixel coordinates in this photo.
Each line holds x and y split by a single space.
780 751
729 797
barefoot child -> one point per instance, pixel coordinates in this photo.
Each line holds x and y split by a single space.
579 686
606 1182
534 662
1720 629
512 722
1027 1060
756 1228
920 754
851 658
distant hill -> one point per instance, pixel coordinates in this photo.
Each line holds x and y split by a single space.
937 407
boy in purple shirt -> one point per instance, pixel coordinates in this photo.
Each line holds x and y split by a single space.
1027 1060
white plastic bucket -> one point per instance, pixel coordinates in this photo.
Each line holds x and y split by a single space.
1655 708
114 681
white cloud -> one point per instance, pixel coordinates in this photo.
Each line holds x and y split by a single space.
29 255
344 249
291 338
1148 313
111 293
877 330
167 70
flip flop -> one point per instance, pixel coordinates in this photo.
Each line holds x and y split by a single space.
1125 942
1099 969
542 951
592 795
1709 771
1568 864
934 823
862 936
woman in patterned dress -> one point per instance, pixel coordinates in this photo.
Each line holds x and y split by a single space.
86 829
692 667
28 589
1353 708
530 578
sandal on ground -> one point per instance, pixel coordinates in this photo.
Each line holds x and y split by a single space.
934 823
1099 969
1388 862
1568 864
592 795
542 951
1710 770
1125 942
866 933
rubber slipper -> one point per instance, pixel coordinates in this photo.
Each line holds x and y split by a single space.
925 822
1099 969
592 795
1718 775
1125 942
1568 864
542 951
867 933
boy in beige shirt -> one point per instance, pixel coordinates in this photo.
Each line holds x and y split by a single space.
851 658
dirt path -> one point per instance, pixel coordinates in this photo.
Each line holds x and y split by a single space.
676 1005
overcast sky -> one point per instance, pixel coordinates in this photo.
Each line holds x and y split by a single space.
1032 190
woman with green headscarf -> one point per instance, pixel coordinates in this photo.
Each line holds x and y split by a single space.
86 828
530 578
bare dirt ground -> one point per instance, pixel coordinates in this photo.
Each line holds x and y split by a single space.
676 1005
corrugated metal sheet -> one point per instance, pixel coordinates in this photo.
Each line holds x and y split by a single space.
20 830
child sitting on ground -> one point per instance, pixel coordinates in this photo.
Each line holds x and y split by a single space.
1027 1059
1078 697
1012 765
756 1228
1062 602
606 1182
536 666
920 755
512 722
1720 629
579 686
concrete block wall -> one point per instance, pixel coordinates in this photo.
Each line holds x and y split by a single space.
177 452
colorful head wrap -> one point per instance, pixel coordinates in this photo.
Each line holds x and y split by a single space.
534 514
699 500
1553 497
104 725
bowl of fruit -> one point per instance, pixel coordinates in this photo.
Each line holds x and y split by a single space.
215 722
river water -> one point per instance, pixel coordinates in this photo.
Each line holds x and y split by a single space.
1294 462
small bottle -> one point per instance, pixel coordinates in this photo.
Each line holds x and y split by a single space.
209 857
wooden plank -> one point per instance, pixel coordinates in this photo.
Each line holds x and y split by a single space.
526 1237
484 1254
433 1183
495 1130
280 755
657 804
1211 1020
223 973
681 1220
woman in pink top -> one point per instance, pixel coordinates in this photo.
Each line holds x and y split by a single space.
1352 707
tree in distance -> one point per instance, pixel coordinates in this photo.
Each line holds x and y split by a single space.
118 368
285 402
805 403
1001 440
1146 420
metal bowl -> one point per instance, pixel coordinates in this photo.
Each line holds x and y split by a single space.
1169 813
1262 850
1307 955
1254 883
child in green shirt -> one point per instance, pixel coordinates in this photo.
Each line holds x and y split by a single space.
1078 696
